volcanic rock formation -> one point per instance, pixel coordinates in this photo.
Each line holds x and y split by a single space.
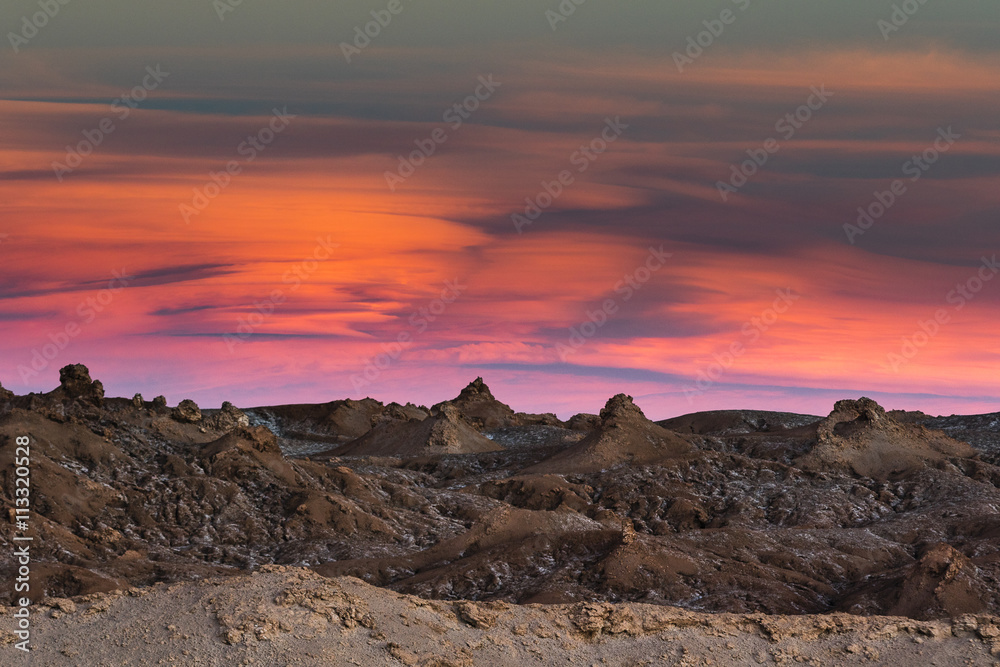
477 404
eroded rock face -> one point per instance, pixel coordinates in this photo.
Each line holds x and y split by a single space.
859 436
75 382
943 583
476 391
543 419
187 412
394 412
5 394
229 417
583 422
863 410
620 410
477 404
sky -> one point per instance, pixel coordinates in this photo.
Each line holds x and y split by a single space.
705 205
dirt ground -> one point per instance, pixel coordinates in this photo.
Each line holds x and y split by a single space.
292 616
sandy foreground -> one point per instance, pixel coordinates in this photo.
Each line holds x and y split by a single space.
293 616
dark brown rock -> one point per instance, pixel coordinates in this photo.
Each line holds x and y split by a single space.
477 404
75 383
187 412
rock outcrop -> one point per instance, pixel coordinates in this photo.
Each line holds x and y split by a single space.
228 418
187 412
859 436
477 404
75 383
623 436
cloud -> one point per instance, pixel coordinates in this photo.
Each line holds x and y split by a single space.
451 220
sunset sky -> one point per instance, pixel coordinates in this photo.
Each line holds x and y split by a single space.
188 241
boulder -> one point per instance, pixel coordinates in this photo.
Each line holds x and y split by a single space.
187 412
229 417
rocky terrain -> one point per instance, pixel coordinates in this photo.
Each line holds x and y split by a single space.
861 534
